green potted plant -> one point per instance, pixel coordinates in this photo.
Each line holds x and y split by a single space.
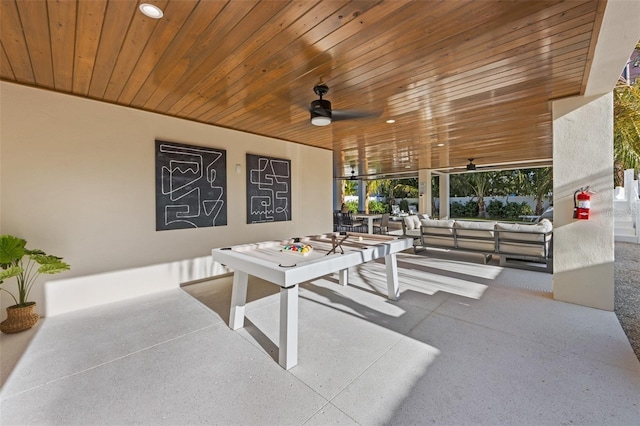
25 265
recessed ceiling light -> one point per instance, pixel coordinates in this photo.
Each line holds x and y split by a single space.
440 144
391 121
151 11
407 167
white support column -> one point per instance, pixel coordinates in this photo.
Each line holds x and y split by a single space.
362 196
444 196
630 186
583 252
337 194
425 200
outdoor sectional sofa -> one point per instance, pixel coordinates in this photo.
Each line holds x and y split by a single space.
520 245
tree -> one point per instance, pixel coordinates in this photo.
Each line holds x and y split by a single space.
481 184
405 188
350 187
373 187
536 182
626 129
459 185
385 188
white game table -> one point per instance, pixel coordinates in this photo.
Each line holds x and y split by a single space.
266 260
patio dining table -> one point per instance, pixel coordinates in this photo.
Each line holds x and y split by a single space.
370 217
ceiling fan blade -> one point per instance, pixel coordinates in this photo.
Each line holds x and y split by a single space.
353 114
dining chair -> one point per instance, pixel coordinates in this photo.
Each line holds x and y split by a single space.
383 226
352 225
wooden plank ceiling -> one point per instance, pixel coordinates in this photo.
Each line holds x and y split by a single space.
461 79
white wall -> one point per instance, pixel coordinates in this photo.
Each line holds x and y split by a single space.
78 181
583 252
583 155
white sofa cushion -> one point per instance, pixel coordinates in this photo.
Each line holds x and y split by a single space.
438 226
480 245
416 221
518 249
479 229
518 231
408 223
438 241
411 222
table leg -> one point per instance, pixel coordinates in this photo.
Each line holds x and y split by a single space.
392 276
343 276
288 351
238 299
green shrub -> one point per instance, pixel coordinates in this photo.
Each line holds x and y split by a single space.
404 206
512 210
456 209
352 206
378 207
468 209
471 209
496 209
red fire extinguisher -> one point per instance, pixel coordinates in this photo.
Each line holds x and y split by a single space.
581 203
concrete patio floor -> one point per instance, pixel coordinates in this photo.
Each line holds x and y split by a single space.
466 343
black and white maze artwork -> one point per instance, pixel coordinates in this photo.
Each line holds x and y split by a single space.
191 186
268 189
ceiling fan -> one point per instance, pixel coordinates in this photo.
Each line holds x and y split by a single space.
509 165
353 174
323 115
472 167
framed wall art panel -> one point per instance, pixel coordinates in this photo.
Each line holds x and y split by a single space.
191 186
268 189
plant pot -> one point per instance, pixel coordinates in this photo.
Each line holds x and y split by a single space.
19 318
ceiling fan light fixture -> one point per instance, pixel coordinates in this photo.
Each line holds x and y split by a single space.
320 120
320 111
150 10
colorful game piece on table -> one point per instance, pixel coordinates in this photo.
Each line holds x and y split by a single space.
298 248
